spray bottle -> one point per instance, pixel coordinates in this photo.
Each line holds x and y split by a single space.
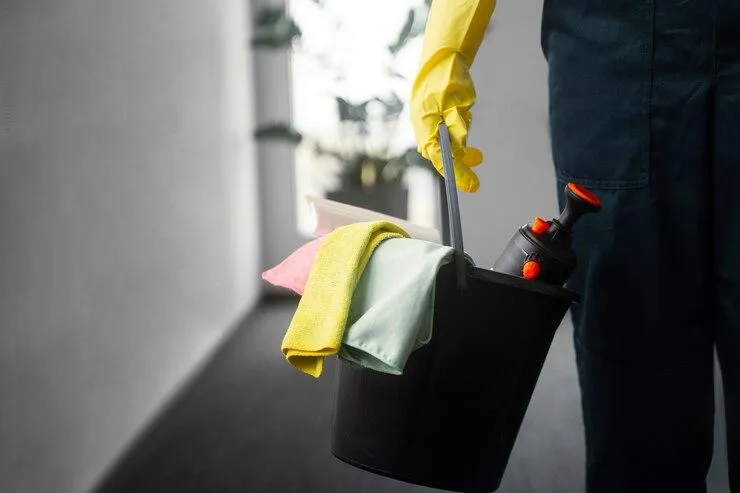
541 251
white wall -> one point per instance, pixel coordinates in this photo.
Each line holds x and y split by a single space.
277 174
128 220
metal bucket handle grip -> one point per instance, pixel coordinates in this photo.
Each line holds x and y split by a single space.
453 208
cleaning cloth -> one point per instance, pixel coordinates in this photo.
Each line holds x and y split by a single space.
392 308
318 325
292 273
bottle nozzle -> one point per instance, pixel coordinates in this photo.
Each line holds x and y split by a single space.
578 201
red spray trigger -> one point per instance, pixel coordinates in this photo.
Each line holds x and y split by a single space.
578 201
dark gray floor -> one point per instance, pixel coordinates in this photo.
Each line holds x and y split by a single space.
251 423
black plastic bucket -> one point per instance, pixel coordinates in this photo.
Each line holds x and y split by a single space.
451 420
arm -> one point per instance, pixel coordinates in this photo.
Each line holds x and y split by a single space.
443 89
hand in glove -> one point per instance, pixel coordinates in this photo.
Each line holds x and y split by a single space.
443 90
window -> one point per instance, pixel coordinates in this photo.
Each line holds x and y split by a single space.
351 72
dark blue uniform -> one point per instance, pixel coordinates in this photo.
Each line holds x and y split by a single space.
645 110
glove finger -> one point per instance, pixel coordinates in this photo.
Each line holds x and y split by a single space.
427 133
465 179
458 121
470 157
473 157
433 153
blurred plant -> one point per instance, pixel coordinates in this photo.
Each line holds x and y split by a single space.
363 144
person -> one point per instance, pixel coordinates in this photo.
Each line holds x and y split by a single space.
644 109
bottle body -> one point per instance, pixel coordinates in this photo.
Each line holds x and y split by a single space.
541 251
527 256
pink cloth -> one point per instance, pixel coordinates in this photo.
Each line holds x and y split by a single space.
292 273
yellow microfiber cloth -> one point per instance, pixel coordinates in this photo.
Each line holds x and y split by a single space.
317 328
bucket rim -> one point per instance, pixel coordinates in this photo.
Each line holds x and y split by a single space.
559 292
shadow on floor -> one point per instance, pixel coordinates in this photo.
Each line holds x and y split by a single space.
251 423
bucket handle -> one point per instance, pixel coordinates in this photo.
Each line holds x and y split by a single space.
453 208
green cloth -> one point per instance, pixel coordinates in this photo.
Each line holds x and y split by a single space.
392 308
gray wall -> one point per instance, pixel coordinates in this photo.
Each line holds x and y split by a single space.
510 126
128 220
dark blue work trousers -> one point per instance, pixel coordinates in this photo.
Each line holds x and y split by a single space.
645 110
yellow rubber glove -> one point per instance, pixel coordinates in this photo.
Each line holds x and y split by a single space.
443 89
